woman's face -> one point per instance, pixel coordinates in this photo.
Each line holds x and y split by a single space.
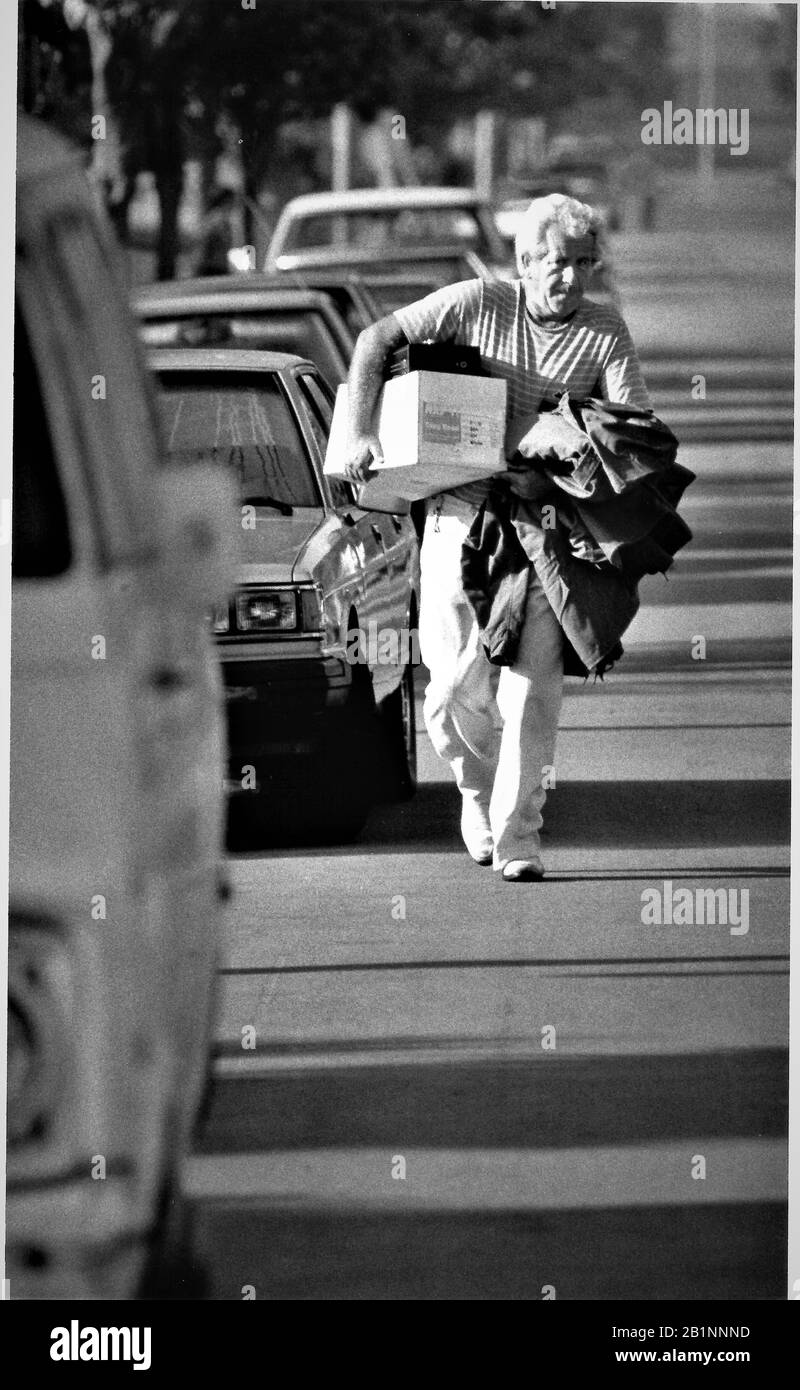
557 273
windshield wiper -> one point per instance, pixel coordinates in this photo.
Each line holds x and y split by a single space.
285 508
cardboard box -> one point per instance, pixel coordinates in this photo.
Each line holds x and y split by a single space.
437 431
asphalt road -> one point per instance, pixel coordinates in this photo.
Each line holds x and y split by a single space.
465 1089
704 295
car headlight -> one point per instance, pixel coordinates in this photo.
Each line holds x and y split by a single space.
292 609
266 610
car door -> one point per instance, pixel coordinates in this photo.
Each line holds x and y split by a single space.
383 541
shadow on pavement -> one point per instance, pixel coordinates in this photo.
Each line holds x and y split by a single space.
547 1102
603 814
293 1249
695 1252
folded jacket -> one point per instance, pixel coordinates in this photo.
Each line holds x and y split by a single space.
593 602
626 494
613 518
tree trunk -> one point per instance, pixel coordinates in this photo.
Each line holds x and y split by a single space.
106 166
169 183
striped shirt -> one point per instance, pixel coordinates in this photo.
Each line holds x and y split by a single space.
592 353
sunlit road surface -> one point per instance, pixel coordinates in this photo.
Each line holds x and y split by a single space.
708 296
405 1001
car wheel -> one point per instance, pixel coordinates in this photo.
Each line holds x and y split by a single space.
173 1271
346 784
330 798
400 732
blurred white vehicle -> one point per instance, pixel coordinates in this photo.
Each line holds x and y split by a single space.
379 222
117 764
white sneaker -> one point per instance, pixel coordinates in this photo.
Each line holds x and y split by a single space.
523 871
476 832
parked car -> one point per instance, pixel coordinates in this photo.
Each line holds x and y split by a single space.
318 643
250 312
347 288
322 228
117 760
445 265
430 266
395 291
384 285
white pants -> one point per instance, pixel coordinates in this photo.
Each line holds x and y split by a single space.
495 725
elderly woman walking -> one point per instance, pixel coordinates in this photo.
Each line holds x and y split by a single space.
497 727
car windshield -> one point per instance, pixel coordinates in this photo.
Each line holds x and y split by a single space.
224 417
387 228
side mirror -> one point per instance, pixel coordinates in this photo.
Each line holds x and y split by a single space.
202 526
373 497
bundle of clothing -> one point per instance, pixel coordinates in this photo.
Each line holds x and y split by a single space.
606 517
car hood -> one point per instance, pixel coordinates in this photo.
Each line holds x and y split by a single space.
270 552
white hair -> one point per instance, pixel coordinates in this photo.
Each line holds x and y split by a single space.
575 219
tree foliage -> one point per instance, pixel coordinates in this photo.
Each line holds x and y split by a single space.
293 59
432 62
176 66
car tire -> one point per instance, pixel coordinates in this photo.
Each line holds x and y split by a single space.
399 716
346 786
173 1271
330 799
